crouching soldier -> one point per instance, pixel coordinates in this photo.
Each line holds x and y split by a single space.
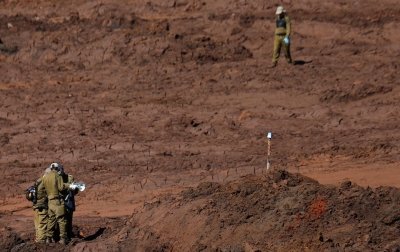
55 187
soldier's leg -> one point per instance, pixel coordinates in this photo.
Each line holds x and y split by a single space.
288 57
277 48
36 221
56 232
42 225
68 217
61 221
51 220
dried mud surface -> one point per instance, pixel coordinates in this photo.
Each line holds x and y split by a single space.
162 106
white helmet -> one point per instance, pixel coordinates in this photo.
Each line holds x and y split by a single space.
280 10
55 166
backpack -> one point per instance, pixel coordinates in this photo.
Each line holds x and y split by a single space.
69 202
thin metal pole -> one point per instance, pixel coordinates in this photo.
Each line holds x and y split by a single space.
269 137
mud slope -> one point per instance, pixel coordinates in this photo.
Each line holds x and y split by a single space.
278 212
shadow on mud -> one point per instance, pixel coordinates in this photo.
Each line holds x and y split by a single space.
92 237
301 62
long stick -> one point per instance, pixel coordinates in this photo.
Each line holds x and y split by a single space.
269 136
268 153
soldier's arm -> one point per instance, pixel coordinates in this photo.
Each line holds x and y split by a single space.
61 185
288 26
71 180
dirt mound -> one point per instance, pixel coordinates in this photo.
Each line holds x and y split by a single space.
277 212
9 239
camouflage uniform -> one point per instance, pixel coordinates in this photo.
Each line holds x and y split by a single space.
67 178
54 188
40 212
282 30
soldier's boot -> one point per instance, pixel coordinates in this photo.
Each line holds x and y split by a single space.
49 240
63 241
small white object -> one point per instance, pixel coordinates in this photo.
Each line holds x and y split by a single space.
286 40
81 187
280 10
54 166
77 185
9 25
269 135
72 186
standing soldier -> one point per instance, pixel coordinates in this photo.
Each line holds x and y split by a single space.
55 186
282 36
37 194
69 197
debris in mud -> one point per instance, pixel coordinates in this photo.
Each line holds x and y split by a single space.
9 239
354 93
4 139
247 21
205 50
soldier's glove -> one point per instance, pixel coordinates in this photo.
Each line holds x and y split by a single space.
286 40
77 185
73 186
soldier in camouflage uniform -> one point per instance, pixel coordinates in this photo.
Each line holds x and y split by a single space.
69 200
40 212
282 36
55 187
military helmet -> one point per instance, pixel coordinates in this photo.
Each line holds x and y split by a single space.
55 166
280 10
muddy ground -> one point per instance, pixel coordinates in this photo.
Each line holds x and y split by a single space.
152 102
